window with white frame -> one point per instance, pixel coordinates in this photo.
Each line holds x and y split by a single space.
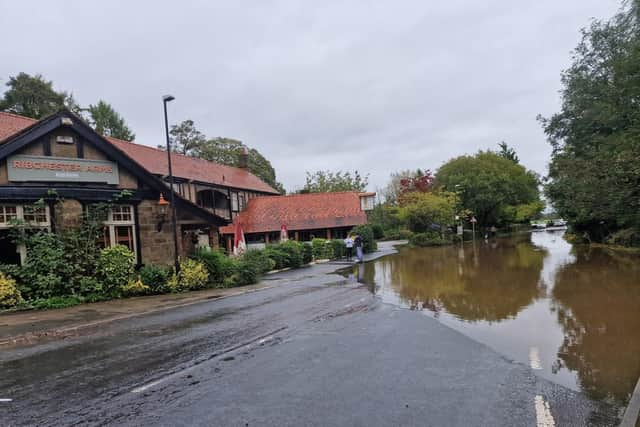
33 215
119 228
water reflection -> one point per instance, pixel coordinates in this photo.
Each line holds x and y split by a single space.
575 311
489 282
597 299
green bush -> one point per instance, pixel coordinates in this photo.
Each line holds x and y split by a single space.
319 249
398 235
378 231
626 237
368 242
115 267
134 287
155 277
9 294
293 250
217 264
260 259
338 248
307 253
46 271
57 302
427 239
279 256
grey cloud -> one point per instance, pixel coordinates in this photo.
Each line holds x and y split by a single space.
373 86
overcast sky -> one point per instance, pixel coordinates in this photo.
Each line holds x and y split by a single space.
373 86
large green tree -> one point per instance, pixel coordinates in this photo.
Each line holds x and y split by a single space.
186 138
32 96
106 121
328 181
594 174
190 141
492 187
227 152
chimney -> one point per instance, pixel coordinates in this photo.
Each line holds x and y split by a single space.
244 158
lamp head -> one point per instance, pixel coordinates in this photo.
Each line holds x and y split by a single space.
168 98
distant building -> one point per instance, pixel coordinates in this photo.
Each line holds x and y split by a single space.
323 215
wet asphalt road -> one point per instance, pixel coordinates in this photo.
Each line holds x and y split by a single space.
310 351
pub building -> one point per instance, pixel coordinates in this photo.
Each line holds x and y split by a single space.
61 160
64 162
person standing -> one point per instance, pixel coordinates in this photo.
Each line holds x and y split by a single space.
348 242
358 244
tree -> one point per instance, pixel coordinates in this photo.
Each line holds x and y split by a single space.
424 212
508 152
32 96
490 186
186 138
594 174
394 188
106 121
327 181
227 152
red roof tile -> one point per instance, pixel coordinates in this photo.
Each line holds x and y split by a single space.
10 124
155 160
300 212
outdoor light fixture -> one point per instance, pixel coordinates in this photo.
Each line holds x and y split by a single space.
174 216
162 211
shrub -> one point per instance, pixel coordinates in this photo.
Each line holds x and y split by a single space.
247 272
193 275
625 237
378 231
368 242
217 264
57 302
135 287
260 260
398 235
45 272
338 248
279 256
293 250
89 286
115 267
427 239
307 253
155 277
9 294
319 250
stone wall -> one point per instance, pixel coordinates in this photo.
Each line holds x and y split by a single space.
68 214
156 246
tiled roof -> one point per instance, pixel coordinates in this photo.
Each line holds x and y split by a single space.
300 212
10 124
155 160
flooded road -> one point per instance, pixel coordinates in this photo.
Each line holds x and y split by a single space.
571 313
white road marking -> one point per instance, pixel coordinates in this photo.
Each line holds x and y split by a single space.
6 400
534 358
543 413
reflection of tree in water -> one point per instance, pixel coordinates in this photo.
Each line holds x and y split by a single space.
488 282
597 300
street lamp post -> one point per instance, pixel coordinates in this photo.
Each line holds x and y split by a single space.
174 216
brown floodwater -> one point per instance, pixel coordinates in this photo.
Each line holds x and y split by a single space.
571 313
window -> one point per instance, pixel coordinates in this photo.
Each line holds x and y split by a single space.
241 202
7 213
34 216
234 201
119 228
